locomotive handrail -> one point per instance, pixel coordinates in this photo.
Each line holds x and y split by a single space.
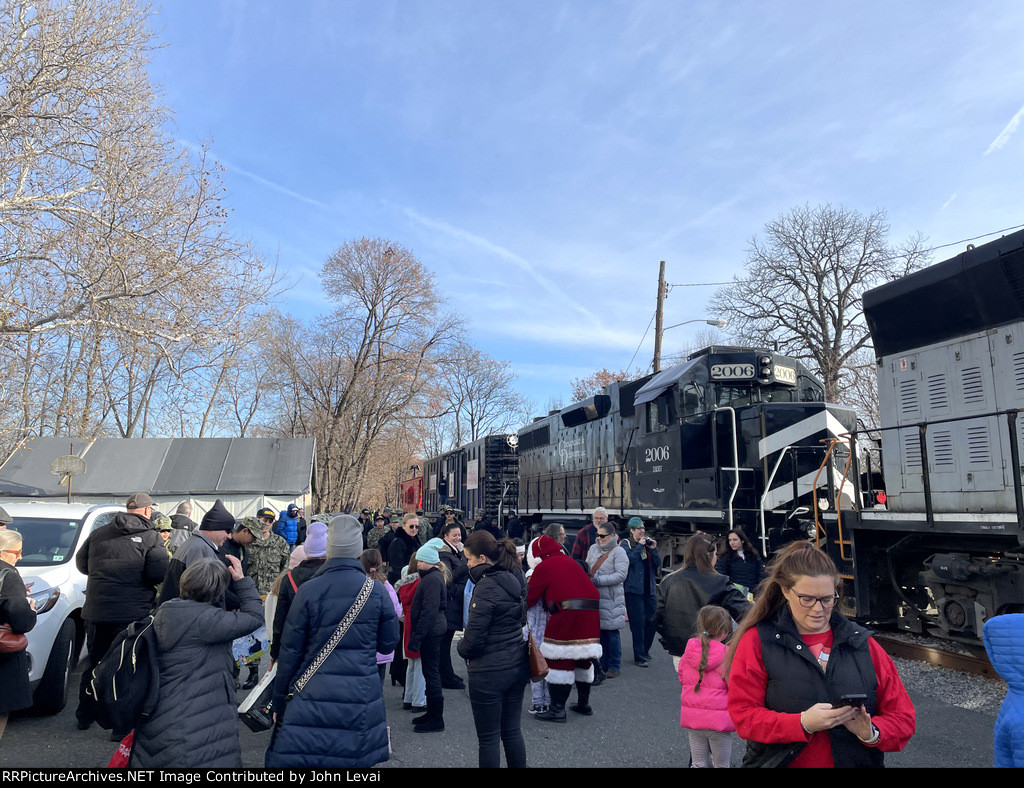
764 495
735 459
922 427
818 529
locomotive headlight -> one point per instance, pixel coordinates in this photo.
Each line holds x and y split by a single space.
766 359
766 372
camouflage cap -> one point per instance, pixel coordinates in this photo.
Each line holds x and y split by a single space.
162 522
254 526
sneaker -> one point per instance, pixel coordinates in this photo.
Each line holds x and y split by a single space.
640 663
611 674
535 709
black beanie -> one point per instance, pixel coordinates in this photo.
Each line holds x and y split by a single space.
218 519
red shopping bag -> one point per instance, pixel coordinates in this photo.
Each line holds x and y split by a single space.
123 753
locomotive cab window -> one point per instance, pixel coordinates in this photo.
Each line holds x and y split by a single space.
661 413
691 398
733 396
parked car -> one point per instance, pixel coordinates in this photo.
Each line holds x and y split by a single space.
53 534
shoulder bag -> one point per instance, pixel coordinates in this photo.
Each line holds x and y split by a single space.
10 643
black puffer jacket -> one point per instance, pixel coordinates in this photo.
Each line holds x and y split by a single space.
426 614
125 560
195 723
493 639
300 574
456 563
14 667
682 594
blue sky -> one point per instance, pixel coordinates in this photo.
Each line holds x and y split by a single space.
542 157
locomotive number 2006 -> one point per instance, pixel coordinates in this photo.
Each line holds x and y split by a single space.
732 371
656 454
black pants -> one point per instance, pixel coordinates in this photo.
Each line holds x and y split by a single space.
430 662
497 701
447 671
98 637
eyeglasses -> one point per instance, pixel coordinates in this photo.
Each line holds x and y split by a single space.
602 536
12 552
809 602
413 527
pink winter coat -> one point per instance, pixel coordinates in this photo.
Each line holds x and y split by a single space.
706 710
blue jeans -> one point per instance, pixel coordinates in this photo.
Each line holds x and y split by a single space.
611 650
640 609
497 700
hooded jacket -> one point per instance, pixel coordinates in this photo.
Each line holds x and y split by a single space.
195 722
706 709
125 560
198 546
610 579
337 721
287 527
427 613
1004 642
493 639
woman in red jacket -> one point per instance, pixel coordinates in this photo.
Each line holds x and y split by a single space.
785 704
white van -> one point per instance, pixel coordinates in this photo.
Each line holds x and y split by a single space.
53 534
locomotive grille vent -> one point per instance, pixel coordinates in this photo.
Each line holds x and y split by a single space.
944 456
938 394
910 404
534 439
1018 372
1013 268
973 387
978 447
911 450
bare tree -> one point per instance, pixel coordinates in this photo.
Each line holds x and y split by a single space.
588 386
804 280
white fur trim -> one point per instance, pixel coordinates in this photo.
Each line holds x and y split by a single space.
561 676
581 651
585 675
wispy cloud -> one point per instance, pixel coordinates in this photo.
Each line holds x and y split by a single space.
1006 133
505 254
948 202
231 167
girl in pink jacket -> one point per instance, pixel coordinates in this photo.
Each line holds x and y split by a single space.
705 694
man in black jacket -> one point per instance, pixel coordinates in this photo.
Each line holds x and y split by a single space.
125 561
214 530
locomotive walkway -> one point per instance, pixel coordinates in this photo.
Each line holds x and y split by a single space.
635 725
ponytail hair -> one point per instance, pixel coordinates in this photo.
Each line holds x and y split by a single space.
373 564
713 623
698 553
501 553
795 560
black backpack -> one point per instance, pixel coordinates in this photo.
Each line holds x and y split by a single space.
126 682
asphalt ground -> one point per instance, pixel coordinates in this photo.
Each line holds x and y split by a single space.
635 725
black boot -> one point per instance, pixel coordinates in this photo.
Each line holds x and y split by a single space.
556 711
434 718
254 677
582 706
598 673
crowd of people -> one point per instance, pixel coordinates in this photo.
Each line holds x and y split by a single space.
759 649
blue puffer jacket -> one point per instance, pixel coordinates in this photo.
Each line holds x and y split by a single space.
337 721
1004 642
287 527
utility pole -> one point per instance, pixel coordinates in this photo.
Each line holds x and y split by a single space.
659 318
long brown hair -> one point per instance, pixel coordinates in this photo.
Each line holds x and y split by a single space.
795 560
713 623
698 552
503 553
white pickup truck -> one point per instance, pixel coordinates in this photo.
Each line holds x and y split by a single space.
53 534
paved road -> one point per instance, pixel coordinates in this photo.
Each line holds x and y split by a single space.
636 724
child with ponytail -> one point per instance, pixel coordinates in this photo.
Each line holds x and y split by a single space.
705 693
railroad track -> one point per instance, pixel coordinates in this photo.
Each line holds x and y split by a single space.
933 655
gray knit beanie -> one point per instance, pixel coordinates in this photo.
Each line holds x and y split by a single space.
344 537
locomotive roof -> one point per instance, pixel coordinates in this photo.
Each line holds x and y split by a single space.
978 289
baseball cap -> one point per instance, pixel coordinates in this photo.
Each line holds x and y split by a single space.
139 500
266 513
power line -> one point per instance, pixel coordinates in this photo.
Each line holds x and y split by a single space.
630 364
923 251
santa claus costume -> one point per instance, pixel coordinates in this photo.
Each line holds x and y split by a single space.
572 636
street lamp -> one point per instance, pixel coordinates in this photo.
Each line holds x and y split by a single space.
715 322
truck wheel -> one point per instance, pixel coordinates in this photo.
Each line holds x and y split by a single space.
51 696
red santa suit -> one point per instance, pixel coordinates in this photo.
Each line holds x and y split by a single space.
573 634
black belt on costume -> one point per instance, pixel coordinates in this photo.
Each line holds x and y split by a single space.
576 604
